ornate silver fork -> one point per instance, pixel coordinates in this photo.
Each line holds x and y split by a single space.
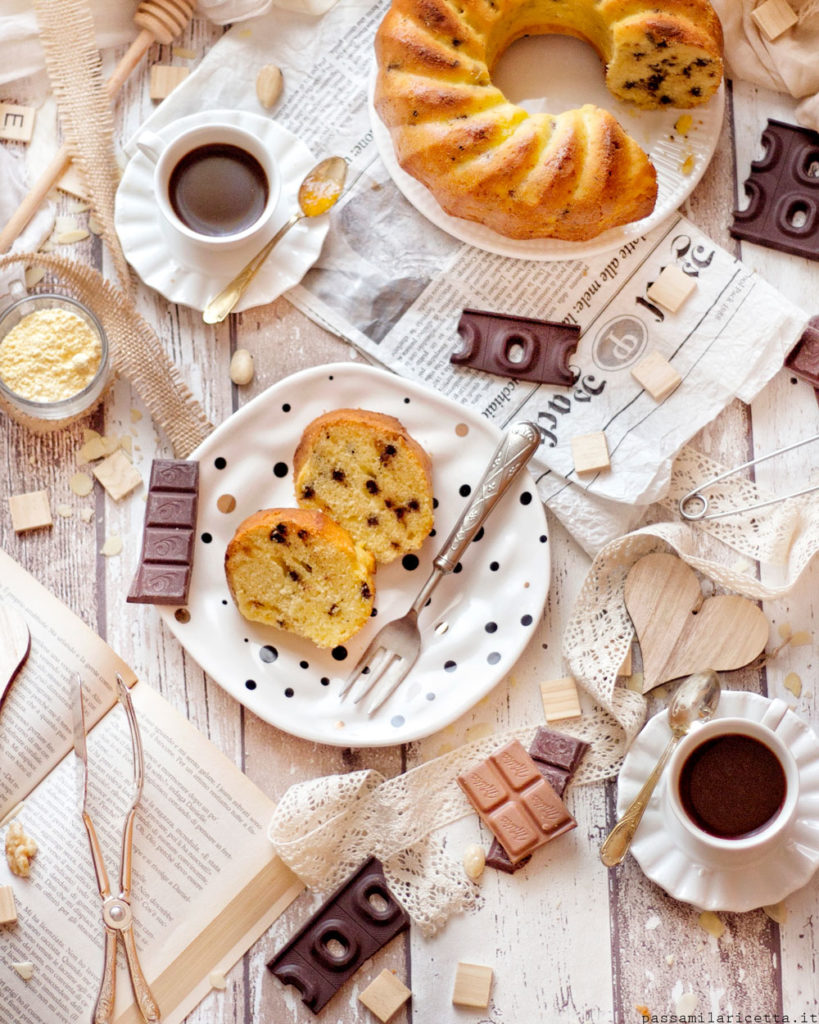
395 648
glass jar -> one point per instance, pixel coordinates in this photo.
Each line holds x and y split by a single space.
62 352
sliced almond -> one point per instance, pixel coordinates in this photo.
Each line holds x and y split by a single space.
69 237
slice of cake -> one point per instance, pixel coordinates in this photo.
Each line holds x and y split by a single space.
365 471
300 571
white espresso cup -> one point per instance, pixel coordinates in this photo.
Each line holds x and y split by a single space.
731 789
216 188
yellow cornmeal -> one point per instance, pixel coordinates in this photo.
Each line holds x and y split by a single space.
49 355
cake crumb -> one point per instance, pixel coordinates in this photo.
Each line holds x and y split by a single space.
793 683
25 970
709 921
81 484
217 980
20 850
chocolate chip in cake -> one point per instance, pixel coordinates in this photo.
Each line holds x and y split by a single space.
387 453
372 520
371 486
338 475
366 593
307 492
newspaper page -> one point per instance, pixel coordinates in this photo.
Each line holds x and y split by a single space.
394 284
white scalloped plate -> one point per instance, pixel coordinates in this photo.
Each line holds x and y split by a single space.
136 221
786 868
575 77
478 620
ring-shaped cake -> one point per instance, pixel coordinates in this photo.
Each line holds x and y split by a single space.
571 175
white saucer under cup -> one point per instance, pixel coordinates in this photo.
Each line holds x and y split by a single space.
690 872
136 219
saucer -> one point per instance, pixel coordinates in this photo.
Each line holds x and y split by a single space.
136 219
658 851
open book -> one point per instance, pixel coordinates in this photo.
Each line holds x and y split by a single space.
206 883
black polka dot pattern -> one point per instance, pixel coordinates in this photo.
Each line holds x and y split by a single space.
492 567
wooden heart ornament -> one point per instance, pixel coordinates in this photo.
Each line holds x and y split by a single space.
679 632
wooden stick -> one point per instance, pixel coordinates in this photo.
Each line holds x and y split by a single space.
159 21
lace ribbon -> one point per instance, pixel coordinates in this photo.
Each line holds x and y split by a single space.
324 828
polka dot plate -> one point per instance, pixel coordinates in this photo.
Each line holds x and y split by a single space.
479 618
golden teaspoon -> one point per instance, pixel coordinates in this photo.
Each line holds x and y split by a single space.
317 193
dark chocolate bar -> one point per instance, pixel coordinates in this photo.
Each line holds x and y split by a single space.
520 807
783 208
353 924
557 757
517 346
803 359
166 560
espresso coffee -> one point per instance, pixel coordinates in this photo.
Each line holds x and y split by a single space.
218 189
731 786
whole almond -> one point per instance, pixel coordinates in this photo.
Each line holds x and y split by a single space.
269 83
241 367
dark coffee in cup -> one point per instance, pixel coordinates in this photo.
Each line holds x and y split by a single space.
218 189
732 785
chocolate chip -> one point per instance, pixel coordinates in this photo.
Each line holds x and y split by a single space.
366 593
338 475
371 486
307 492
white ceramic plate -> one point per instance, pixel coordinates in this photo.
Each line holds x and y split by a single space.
137 223
485 614
575 77
786 868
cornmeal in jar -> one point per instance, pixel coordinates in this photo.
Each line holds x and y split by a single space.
50 355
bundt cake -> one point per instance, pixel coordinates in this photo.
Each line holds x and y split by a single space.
568 176
298 570
365 471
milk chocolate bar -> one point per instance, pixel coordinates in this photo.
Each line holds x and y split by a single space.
166 560
557 757
353 924
517 346
520 807
783 208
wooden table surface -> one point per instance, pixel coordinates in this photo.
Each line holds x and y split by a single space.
568 940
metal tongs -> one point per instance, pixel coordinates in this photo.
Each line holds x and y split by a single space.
116 910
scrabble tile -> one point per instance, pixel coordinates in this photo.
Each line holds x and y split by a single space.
671 288
30 511
560 699
385 996
16 123
473 983
164 79
774 17
8 911
118 475
590 452
656 375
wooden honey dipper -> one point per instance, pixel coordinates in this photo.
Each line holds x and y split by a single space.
159 21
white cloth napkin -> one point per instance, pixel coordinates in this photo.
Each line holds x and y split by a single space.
12 279
788 64
21 54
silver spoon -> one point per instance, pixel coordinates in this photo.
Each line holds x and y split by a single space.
695 698
317 193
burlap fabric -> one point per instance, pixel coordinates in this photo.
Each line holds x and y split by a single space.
136 351
73 63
